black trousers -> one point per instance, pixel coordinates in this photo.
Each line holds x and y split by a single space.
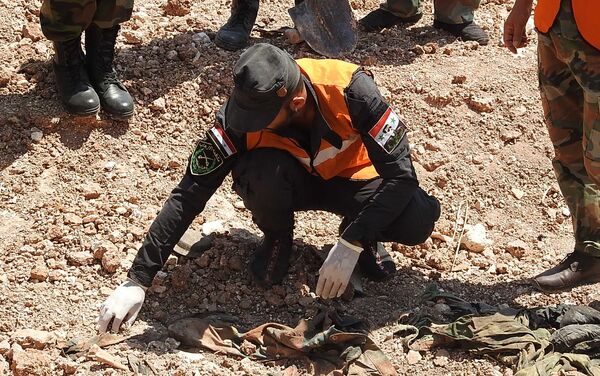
274 185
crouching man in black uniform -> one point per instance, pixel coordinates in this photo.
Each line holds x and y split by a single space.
296 135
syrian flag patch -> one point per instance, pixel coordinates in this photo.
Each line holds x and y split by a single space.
222 141
389 131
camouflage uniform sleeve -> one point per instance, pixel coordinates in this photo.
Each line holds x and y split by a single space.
384 136
210 162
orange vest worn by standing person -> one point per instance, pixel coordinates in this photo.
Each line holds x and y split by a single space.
586 13
328 78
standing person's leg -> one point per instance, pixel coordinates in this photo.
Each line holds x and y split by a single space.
100 39
273 185
456 17
63 22
569 73
235 34
392 12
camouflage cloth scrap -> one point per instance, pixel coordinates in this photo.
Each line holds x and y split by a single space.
62 20
448 11
331 344
569 75
535 342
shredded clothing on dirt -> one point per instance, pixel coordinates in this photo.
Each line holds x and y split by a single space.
535 342
330 344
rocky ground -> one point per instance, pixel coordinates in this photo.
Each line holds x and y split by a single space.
77 195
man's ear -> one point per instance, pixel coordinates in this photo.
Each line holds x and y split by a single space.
297 103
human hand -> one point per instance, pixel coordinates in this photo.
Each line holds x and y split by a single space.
515 35
337 269
123 304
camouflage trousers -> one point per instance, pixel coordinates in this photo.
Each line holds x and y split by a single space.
569 74
448 11
62 20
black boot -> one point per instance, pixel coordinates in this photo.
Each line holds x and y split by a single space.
100 52
465 31
376 263
72 81
271 261
235 34
380 19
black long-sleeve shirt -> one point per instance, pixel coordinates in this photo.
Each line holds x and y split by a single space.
382 133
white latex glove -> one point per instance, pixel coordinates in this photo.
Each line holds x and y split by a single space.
337 268
124 303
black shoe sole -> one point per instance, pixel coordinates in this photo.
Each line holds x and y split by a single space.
229 46
123 117
400 21
82 113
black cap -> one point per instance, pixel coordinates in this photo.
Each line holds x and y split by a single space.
265 77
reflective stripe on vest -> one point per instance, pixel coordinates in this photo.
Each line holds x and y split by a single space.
586 13
329 78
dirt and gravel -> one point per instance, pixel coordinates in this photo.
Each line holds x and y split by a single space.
76 195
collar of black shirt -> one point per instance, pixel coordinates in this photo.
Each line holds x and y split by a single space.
320 130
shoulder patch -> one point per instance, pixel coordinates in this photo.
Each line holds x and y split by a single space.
388 131
223 141
205 159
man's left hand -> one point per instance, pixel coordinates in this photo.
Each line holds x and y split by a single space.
337 269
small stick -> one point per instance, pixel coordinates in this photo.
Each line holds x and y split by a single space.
464 204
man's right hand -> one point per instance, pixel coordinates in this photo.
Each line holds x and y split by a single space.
123 304
515 35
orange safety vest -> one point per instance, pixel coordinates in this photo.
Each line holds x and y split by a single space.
586 13
329 78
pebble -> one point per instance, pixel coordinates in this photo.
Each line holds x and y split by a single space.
475 238
5 76
32 31
212 228
413 357
80 258
516 248
91 190
36 339
72 219
36 135
159 104
31 362
519 194
111 259
441 358
110 165
201 38
132 36
480 104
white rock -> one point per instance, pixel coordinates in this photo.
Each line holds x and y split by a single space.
201 38
475 238
36 135
517 193
413 357
159 104
110 165
212 227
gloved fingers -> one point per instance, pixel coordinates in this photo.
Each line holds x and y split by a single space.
320 283
341 289
132 316
117 322
335 290
327 288
104 319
